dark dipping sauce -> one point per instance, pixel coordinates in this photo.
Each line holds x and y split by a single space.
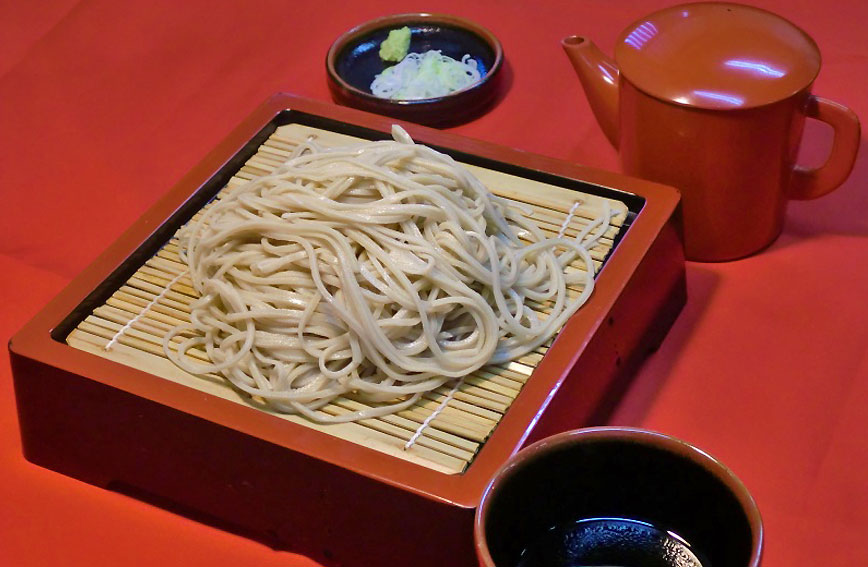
609 542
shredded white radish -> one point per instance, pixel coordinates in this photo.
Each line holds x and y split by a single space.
425 75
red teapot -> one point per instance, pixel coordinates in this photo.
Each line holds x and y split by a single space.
711 98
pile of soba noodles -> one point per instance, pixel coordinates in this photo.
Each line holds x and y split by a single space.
378 271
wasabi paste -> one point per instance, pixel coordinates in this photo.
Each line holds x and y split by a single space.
396 46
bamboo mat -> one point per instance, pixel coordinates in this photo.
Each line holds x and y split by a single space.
446 428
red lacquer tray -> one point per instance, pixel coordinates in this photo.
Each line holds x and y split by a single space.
116 422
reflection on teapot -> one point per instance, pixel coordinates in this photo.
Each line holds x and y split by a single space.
711 98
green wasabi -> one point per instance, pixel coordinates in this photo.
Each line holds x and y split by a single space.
396 46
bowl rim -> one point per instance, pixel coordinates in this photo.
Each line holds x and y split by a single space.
394 19
622 434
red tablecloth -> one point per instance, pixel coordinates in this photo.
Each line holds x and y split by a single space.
104 105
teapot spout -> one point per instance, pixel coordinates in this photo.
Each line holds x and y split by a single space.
599 76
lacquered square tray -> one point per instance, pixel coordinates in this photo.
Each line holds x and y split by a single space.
99 401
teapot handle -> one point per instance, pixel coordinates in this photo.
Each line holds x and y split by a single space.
810 183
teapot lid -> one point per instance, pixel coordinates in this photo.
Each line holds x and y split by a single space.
717 55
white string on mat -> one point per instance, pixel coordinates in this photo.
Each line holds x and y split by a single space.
570 214
437 411
144 311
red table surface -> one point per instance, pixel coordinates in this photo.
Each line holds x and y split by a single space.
104 105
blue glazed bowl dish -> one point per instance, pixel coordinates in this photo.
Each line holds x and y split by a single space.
353 61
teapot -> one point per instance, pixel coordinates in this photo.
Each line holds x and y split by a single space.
711 98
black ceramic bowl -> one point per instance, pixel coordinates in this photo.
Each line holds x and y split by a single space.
353 61
616 496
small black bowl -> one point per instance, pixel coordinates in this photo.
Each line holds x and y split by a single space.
616 496
353 61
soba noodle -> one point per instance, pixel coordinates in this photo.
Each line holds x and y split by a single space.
381 271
